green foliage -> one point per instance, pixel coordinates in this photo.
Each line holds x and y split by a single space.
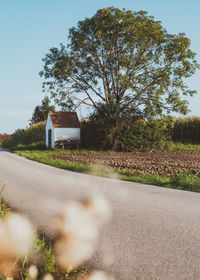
181 181
126 134
77 274
139 135
186 181
43 157
145 135
32 137
92 134
3 207
32 146
178 146
47 259
187 130
43 252
41 112
124 60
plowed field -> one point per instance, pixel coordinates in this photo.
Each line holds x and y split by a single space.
161 163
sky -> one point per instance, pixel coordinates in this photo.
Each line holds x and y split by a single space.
29 28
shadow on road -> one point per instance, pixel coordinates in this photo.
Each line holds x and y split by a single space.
4 150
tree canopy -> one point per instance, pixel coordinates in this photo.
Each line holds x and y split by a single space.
124 62
41 112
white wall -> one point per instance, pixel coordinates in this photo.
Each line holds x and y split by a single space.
67 133
48 126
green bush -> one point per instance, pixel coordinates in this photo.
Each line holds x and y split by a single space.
31 146
7 144
126 135
22 147
99 134
145 135
32 136
34 133
92 135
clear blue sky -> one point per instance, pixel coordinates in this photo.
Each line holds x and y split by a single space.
28 28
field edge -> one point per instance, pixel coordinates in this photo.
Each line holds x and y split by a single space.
182 180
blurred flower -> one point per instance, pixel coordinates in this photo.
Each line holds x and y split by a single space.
48 277
16 237
77 230
19 234
77 221
99 207
71 252
32 272
99 275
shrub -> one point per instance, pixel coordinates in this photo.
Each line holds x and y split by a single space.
127 135
32 136
34 133
98 134
7 144
145 135
31 146
92 135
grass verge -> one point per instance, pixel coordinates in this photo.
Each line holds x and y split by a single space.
43 157
180 146
182 180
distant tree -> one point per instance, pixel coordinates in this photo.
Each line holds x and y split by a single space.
124 62
65 102
40 113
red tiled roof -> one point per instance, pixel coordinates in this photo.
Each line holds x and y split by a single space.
65 119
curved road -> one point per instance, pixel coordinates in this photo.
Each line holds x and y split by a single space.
154 232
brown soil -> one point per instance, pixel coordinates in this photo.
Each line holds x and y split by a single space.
161 163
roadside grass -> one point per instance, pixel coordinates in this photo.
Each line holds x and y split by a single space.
11 145
43 157
182 180
4 209
47 263
180 146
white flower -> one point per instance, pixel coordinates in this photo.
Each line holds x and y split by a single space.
16 235
15 241
99 275
76 220
48 277
99 208
71 252
19 234
32 272
77 228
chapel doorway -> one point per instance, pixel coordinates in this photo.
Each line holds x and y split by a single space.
49 138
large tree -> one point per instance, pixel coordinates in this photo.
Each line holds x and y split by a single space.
124 62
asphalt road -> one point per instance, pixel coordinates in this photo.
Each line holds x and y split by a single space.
154 232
